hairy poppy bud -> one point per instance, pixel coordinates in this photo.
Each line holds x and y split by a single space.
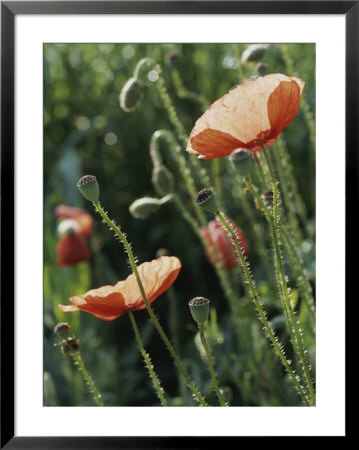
143 69
207 200
143 207
131 94
172 59
221 248
261 69
162 180
89 188
241 160
254 52
62 328
199 307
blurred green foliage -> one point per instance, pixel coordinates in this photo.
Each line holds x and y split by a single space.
86 132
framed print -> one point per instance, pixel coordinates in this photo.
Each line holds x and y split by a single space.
175 179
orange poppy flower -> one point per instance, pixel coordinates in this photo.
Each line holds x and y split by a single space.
110 302
221 246
251 113
72 249
82 217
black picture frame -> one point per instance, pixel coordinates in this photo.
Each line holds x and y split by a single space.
9 10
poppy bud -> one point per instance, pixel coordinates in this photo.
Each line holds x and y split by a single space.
254 52
221 248
142 70
241 160
143 207
172 59
207 200
199 307
130 95
261 69
62 328
89 188
162 180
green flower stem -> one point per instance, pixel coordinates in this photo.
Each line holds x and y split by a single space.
279 350
291 252
78 361
183 92
231 296
146 358
221 273
152 315
181 133
298 271
259 235
308 115
291 319
210 365
237 51
292 196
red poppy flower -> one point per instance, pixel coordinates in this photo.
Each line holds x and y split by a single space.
251 113
221 245
72 249
110 302
82 217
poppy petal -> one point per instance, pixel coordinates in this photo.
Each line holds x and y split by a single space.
156 277
72 249
110 302
249 114
283 104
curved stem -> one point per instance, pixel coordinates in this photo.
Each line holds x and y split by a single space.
210 365
78 360
255 297
146 358
154 319
181 133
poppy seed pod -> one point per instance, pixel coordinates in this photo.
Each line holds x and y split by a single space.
207 200
89 188
199 307
162 180
62 328
130 95
254 52
241 160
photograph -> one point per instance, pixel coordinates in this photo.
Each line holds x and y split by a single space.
179 224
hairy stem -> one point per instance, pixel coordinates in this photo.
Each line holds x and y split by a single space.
152 315
78 361
210 365
147 359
